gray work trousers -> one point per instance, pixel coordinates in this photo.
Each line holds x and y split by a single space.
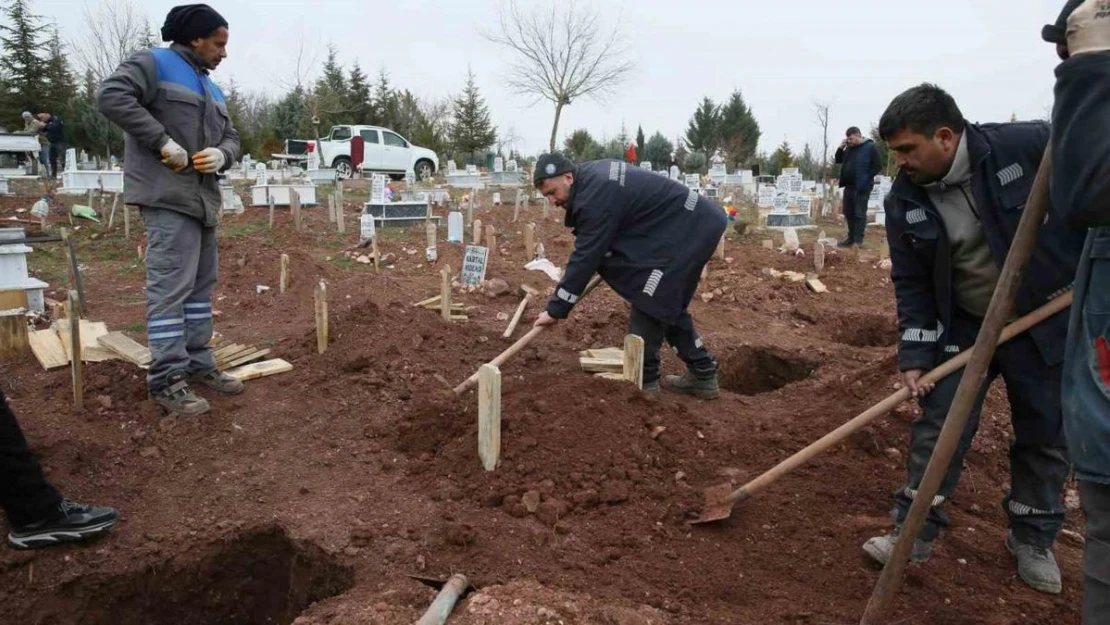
182 262
1096 556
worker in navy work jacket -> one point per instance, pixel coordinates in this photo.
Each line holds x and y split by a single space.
951 217
179 137
1080 192
649 238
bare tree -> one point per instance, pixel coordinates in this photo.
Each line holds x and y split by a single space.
561 54
821 109
113 32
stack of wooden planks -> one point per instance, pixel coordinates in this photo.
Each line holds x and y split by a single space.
606 363
458 311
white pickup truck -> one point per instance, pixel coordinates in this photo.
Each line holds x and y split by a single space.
384 151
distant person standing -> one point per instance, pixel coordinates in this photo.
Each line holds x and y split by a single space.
56 137
35 128
170 109
860 162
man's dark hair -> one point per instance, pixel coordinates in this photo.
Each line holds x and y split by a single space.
922 110
854 130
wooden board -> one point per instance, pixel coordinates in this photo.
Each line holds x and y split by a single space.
607 353
242 360
598 365
610 376
816 285
47 347
634 360
260 370
91 331
489 416
11 300
122 345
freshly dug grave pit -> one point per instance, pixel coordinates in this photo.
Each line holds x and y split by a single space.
866 330
260 577
750 370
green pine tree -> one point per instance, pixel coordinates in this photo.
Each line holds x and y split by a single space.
59 87
782 158
385 101
658 150
330 97
358 97
20 42
738 131
580 146
702 135
472 130
640 143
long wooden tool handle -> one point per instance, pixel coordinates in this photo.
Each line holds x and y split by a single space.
890 403
1013 271
516 317
519 345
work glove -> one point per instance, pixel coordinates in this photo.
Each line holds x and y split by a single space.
209 160
174 156
1089 28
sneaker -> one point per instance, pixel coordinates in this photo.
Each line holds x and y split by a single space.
1036 565
75 522
689 384
178 398
218 381
880 548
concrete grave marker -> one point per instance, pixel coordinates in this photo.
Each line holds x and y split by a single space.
472 170
511 166
367 229
260 174
377 189
780 203
498 165
496 198
674 172
693 181
454 227
452 169
645 165
71 159
475 260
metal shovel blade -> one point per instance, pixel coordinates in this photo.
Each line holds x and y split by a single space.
718 504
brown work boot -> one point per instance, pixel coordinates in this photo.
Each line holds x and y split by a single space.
689 384
218 381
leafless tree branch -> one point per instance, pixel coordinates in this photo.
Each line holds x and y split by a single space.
560 54
114 31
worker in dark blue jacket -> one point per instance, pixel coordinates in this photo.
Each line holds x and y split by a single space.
649 238
951 217
860 162
1080 193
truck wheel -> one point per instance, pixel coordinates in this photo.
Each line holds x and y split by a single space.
343 169
424 170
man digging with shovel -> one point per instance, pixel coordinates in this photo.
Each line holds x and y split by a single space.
951 218
648 237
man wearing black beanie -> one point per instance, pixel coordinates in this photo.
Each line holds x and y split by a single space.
179 137
649 238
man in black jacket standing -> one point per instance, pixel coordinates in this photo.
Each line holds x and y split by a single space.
55 135
649 238
860 162
951 217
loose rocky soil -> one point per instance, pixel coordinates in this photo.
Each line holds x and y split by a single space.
311 497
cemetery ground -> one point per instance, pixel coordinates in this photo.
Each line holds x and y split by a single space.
310 497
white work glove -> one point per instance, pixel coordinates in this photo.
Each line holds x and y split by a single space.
1089 28
174 156
209 160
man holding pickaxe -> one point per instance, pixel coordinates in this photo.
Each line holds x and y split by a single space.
951 218
1080 194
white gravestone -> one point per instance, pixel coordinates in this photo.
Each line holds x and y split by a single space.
474 265
452 169
377 189
496 199
498 165
454 227
511 166
674 172
693 181
260 174
645 165
367 230
780 203
314 160
410 178
471 170
71 159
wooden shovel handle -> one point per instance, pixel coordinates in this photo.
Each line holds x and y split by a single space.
519 345
890 403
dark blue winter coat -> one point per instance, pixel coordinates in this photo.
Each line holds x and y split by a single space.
55 130
1081 197
645 234
1004 160
859 165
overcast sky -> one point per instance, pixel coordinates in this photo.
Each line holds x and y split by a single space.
857 54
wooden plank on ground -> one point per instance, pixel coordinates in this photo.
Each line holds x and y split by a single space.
607 353
816 285
251 357
611 376
598 365
47 347
260 369
91 331
123 346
